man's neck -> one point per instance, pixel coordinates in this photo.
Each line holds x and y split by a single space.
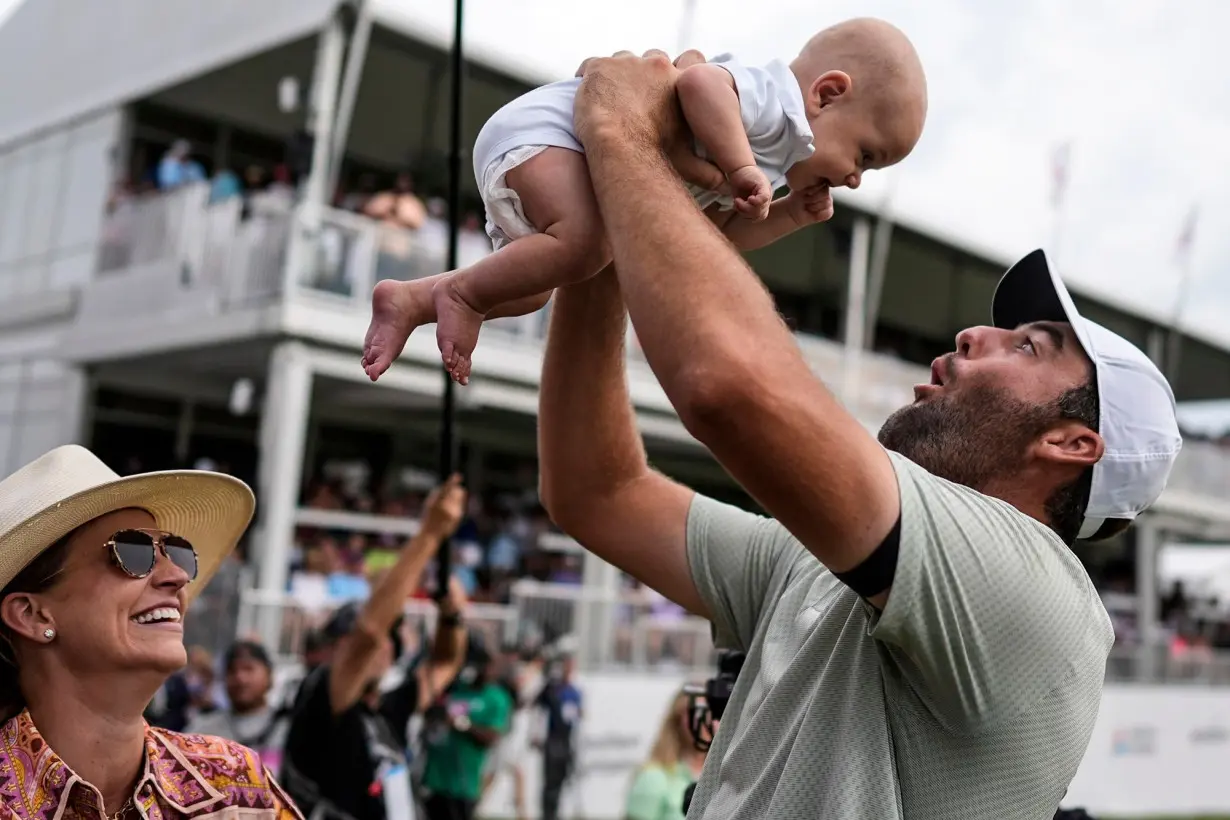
98 730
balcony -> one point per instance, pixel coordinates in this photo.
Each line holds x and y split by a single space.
200 273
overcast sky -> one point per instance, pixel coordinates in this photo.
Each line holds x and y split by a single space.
1141 88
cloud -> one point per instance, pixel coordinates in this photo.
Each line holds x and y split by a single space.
1139 87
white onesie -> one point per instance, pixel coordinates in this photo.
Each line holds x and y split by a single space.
769 100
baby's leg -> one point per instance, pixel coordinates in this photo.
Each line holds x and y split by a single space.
399 307
558 201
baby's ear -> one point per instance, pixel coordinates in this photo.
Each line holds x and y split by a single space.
827 89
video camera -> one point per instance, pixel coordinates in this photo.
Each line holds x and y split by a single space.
707 704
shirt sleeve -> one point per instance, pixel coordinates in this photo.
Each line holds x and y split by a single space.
284 808
989 611
647 795
776 124
738 561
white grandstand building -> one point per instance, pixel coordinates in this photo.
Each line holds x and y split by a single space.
170 326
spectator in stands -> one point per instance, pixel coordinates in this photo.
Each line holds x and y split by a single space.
398 207
177 167
249 719
474 717
225 185
345 754
356 201
674 764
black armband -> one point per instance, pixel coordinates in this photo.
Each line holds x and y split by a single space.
875 574
450 620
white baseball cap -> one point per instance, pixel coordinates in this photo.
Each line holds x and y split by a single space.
1136 405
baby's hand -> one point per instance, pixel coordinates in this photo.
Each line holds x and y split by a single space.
751 191
808 206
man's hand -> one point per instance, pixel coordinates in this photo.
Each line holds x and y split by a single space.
444 508
808 206
629 97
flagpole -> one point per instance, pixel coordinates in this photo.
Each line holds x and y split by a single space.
1174 340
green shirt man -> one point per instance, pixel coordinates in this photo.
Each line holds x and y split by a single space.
455 765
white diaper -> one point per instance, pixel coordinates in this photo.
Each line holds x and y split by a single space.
505 218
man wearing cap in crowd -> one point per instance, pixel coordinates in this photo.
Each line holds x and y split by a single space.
249 718
96 573
921 642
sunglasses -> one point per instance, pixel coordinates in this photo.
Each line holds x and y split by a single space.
135 552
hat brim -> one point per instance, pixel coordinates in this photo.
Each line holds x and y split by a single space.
211 510
1031 291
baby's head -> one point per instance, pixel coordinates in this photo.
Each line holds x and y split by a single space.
866 99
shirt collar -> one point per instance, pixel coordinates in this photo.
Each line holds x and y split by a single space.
38 784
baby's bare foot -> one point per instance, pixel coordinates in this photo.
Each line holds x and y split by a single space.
457 326
397 309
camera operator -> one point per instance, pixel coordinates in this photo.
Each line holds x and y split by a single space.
707 704
345 753
674 763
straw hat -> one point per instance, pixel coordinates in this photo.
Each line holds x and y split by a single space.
69 486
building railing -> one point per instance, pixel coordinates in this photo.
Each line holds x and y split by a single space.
632 630
232 253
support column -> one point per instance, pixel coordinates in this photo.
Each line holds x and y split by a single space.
881 241
283 434
301 252
1148 543
856 312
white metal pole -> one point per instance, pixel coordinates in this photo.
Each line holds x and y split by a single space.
856 312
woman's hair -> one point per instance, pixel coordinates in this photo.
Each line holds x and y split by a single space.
669 747
38 576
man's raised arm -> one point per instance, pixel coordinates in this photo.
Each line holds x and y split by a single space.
594 478
712 334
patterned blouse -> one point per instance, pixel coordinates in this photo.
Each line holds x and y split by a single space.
186 776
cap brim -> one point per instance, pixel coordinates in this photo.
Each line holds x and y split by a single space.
211 510
1031 291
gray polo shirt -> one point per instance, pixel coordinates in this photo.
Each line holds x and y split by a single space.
973 695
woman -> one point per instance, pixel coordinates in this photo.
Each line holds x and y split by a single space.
674 764
96 572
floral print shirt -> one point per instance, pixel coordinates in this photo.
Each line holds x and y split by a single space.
185 776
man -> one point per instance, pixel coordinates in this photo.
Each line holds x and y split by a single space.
921 643
475 717
250 719
345 753
561 704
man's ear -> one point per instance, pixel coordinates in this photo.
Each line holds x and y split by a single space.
24 615
826 90
1071 442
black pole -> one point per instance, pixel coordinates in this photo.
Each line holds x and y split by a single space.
448 442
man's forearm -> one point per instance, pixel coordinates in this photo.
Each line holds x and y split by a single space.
747 235
388 599
588 443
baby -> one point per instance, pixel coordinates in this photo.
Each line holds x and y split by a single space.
853 100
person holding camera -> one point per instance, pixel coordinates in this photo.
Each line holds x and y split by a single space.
661 784
345 754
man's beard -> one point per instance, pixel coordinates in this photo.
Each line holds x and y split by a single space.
972 438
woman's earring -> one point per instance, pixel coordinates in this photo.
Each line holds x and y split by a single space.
49 633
